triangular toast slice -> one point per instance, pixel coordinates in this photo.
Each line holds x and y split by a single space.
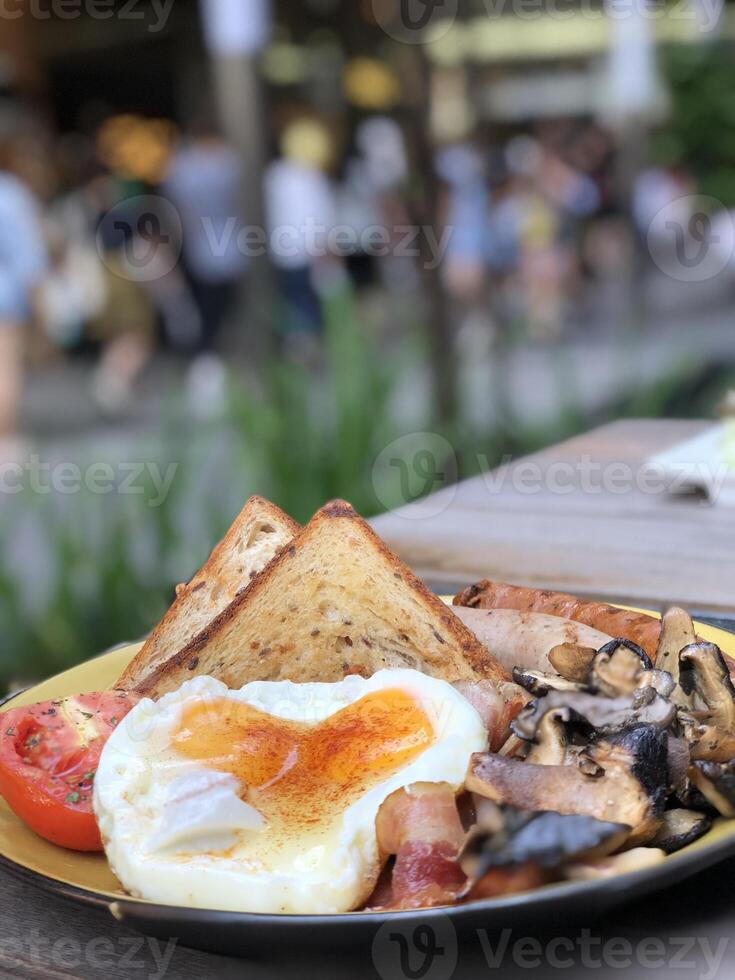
259 532
335 602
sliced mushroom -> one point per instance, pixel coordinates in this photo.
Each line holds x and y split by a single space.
547 840
513 746
617 668
677 632
660 680
538 683
716 782
619 785
690 798
604 715
638 859
679 828
622 667
550 747
572 661
678 760
704 675
647 747
644 661
707 742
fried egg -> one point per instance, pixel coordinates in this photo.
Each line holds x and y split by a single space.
265 799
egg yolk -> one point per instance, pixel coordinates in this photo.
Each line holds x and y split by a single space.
299 776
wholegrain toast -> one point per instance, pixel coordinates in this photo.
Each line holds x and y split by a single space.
335 602
259 532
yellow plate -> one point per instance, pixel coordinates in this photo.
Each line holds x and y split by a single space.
88 878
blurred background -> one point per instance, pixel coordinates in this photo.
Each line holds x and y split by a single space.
252 246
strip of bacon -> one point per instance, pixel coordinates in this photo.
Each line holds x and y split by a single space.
421 826
497 704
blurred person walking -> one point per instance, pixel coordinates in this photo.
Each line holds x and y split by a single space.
204 183
302 212
23 264
466 220
371 201
125 325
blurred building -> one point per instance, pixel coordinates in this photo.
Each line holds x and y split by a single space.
507 61
85 59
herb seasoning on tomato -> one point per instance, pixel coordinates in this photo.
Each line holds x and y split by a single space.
48 759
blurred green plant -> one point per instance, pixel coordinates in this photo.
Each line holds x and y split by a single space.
700 133
91 589
317 436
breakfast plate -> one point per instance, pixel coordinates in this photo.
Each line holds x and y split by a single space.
87 878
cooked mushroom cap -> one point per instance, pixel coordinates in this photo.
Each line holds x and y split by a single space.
679 828
614 646
616 670
538 683
621 783
707 742
622 667
647 748
572 661
716 782
678 759
677 632
550 747
604 715
660 680
705 676
545 839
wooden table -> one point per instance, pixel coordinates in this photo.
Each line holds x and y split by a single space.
579 517
636 546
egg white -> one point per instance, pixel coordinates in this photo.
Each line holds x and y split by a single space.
178 833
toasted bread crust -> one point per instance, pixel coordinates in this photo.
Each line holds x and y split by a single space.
232 565
236 647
